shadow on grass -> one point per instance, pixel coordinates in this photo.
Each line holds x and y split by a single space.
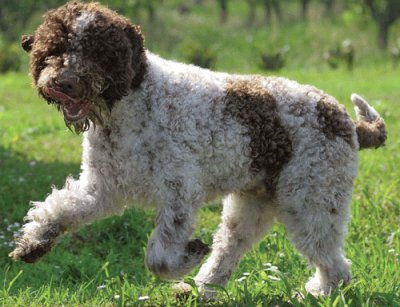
351 298
265 299
23 179
78 258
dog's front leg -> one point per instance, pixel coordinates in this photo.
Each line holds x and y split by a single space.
171 253
77 204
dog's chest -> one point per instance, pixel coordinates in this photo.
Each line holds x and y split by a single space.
122 157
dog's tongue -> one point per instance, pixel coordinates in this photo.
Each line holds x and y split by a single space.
73 108
60 96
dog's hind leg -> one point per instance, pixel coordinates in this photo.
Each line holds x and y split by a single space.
319 236
79 203
314 199
246 217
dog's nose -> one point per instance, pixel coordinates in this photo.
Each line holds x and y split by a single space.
69 86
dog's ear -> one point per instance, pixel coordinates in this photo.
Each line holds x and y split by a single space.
135 36
138 52
26 42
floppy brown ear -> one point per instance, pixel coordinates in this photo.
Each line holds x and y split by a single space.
26 42
138 52
135 37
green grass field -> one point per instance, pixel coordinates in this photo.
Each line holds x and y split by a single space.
103 264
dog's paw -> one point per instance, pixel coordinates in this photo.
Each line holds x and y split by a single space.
37 241
195 251
182 291
314 287
324 284
192 254
206 293
177 260
30 252
196 248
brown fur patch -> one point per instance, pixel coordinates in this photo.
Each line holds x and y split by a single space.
31 252
36 253
254 107
334 120
371 134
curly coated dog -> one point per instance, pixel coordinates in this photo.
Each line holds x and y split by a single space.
169 135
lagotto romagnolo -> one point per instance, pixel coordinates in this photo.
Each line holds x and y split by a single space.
171 136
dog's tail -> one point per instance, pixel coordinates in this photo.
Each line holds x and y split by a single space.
370 126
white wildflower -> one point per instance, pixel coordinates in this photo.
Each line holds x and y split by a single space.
241 279
274 278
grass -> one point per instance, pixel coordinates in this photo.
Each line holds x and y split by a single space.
103 263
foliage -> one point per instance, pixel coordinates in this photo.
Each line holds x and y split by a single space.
395 52
135 7
10 56
274 61
385 13
164 31
200 55
343 52
16 15
270 7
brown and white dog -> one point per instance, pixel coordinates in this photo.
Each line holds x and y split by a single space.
172 135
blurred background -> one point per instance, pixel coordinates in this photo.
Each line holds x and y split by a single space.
240 35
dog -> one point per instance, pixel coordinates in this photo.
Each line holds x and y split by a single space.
171 136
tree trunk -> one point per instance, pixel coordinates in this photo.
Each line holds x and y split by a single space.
224 10
383 34
252 15
304 8
152 13
270 7
328 5
384 18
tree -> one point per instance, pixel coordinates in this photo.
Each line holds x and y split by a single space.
16 15
304 8
385 13
223 4
305 5
135 7
328 5
270 6
253 6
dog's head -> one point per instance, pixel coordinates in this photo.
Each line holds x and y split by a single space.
83 58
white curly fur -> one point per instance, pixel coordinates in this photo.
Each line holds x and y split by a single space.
169 144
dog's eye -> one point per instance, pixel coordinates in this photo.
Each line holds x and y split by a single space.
55 61
57 50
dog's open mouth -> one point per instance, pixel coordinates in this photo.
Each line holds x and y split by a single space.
73 109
